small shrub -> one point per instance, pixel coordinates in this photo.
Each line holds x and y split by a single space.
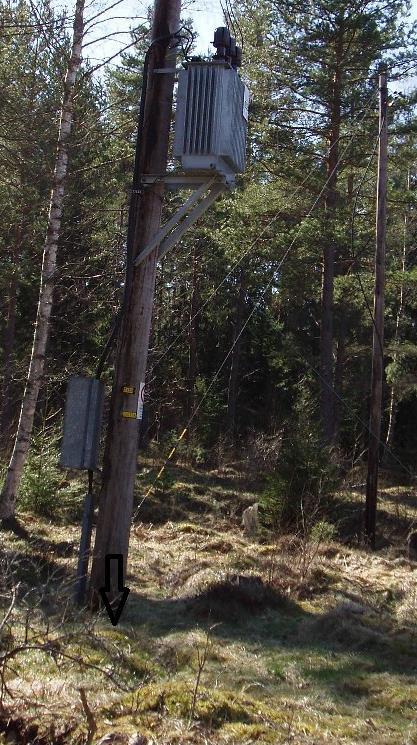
41 477
298 493
165 483
322 532
187 449
197 454
44 489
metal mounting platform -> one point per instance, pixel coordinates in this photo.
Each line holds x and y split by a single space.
207 189
177 181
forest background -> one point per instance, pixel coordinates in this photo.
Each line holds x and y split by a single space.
263 315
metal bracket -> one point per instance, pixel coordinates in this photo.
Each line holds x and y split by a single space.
207 191
167 70
176 181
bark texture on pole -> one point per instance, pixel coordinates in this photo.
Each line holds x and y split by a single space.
378 330
41 333
120 457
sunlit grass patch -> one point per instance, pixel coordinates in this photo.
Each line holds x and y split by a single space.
213 708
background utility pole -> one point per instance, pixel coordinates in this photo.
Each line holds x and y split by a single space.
120 456
378 332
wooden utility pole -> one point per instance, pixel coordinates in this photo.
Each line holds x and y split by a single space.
120 456
378 331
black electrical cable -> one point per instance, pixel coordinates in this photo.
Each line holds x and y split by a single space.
227 18
231 12
108 346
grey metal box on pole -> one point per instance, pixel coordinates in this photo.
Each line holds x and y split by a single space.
82 423
211 118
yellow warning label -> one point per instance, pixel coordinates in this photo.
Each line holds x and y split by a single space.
130 389
129 414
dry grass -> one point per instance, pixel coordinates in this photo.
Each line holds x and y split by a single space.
309 645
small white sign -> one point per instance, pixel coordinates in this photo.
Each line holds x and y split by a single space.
246 102
141 398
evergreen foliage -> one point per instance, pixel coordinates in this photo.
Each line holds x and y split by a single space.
237 329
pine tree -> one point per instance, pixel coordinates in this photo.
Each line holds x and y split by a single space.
318 60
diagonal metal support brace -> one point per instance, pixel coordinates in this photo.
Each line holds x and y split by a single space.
173 230
197 212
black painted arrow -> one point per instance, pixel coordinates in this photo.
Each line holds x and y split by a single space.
114 614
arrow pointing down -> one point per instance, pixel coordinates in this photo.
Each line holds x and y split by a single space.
114 613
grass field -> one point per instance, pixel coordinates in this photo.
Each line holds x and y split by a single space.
224 639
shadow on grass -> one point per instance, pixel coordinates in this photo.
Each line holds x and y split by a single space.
207 493
37 572
348 513
16 730
231 482
281 626
167 506
36 542
402 499
203 493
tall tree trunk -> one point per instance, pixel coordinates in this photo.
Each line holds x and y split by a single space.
8 346
192 338
392 418
343 330
393 399
338 374
41 333
326 335
235 360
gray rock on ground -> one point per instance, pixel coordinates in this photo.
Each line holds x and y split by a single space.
250 520
118 738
